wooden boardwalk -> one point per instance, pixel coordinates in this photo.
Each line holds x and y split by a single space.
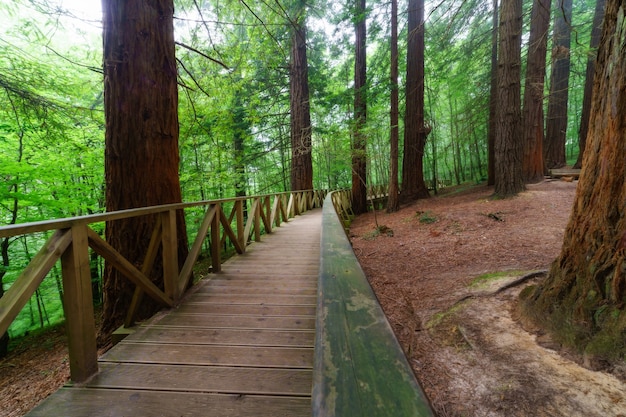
240 344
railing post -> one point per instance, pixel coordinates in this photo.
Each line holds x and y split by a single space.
78 306
240 224
257 220
216 247
169 241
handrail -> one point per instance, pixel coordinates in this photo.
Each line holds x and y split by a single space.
359 367
73 237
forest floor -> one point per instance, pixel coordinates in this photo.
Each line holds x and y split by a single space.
436 270
441 269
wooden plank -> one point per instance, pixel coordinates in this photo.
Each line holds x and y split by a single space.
258 290
216 321
246 310
233 337
129 270
210 379
78 307
360 368
192 257
18 294
169 245
303 282
263 299
262 357
115 403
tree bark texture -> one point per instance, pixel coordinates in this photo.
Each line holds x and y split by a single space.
556 129
141 141
596 31
301 160
393 200
583 299
532 164
415 132
359 146
508 146
493 100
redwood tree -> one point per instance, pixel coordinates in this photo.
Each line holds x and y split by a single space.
493 99
141 140
359 152
508 145
532 164
415 132
301 162
556 123
598 16
583 299
393 201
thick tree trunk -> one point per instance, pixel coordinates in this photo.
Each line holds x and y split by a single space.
301 161
415 132
359 147
583 299
141 141
393 200
493 100
596 31
532 164
508 146
556 129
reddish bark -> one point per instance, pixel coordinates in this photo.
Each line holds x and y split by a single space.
141 153
415 131
359 150
508 145
556 129
301 161
532 164
583 299
393 201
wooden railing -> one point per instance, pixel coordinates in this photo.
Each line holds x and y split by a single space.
73 236
360 368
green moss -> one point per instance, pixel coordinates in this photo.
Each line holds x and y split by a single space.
427 217
493 276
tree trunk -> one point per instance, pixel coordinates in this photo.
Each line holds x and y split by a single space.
556 129
301 161
493 99
415 132
582 300
141 140
393 201
596 31
359 149
532 164
508 145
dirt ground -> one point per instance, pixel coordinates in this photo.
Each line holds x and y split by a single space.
429 270
440 269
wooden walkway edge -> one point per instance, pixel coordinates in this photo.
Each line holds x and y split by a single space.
240 344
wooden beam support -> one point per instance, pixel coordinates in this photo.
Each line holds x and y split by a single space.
78 306
169 242
194 252
16 297
216 247
125 267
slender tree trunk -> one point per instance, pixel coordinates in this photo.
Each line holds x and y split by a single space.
493 99
582 300
556 129
508 146
596 31
532 166
301 160
415 131
393 201
359 149
141 140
